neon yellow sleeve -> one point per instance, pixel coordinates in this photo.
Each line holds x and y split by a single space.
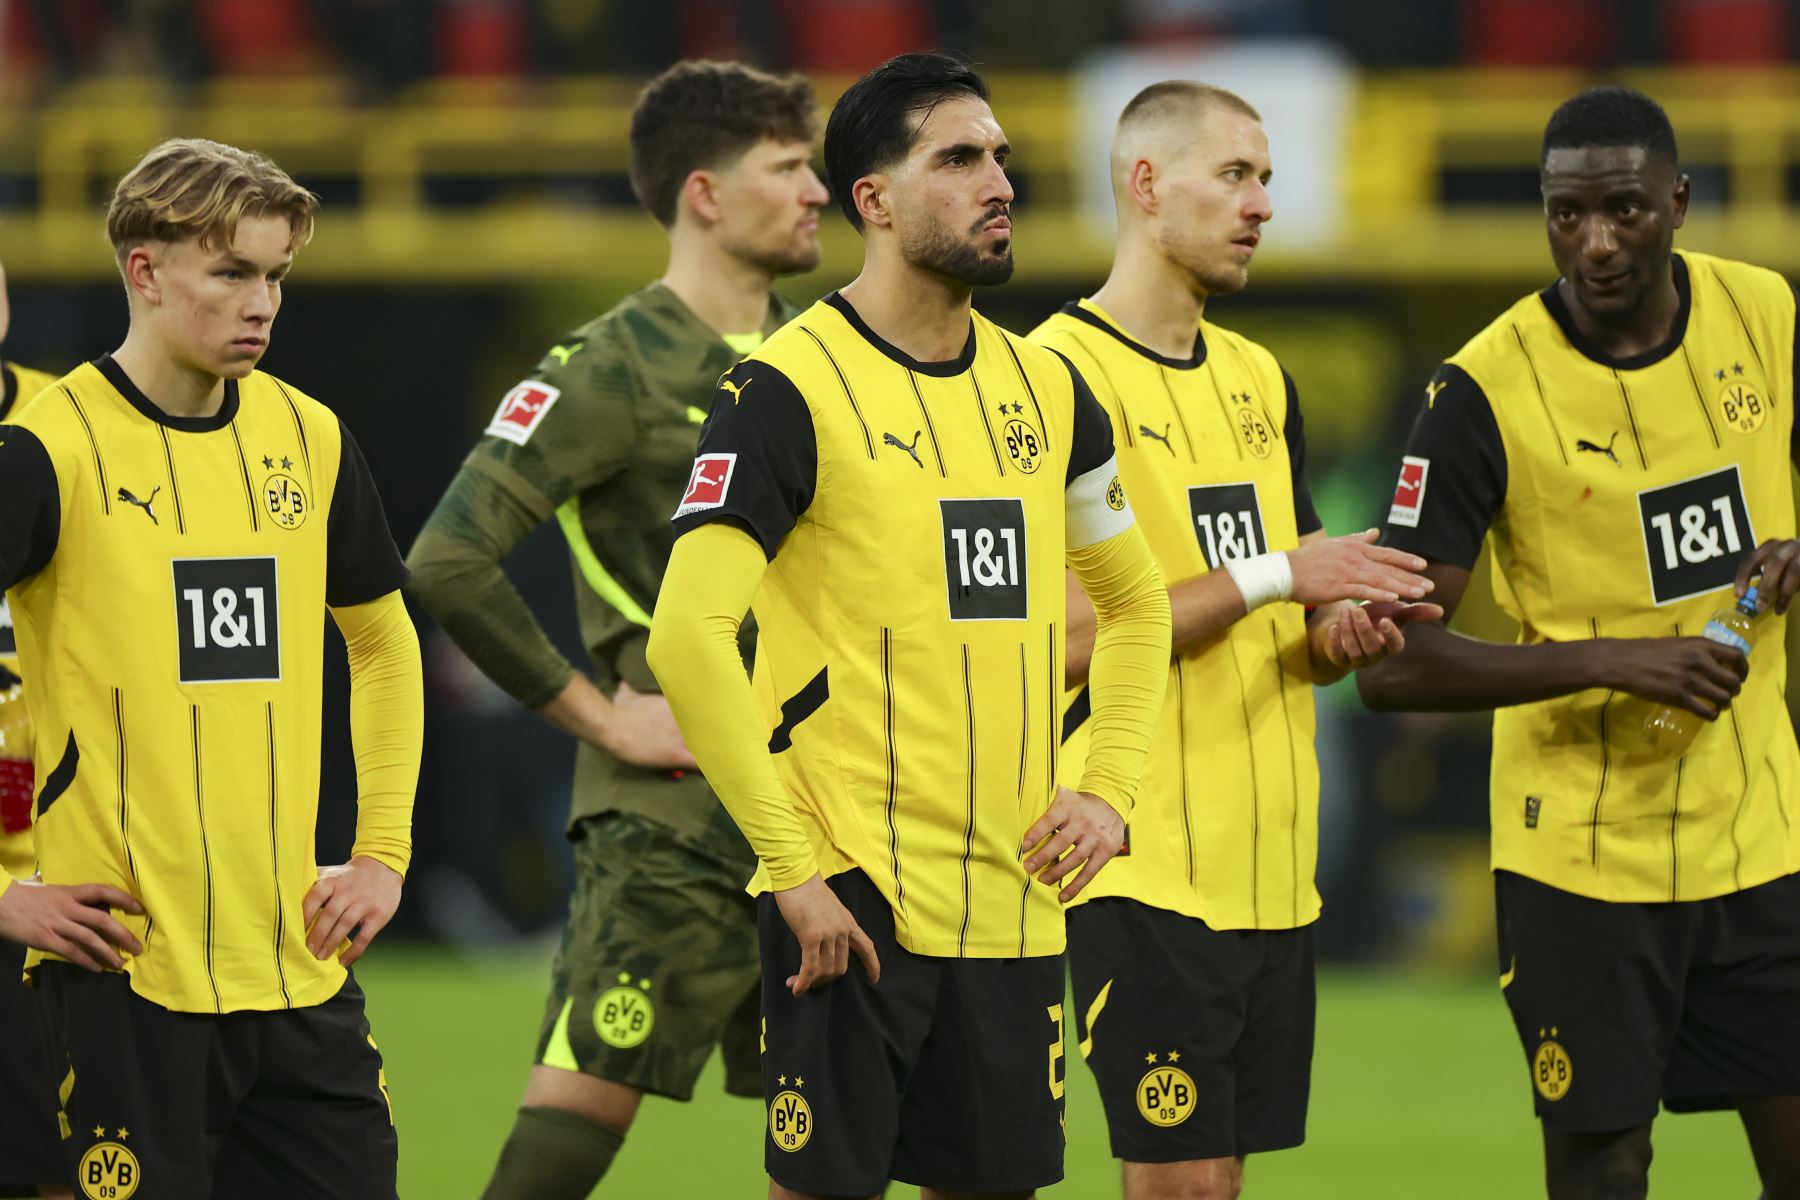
712 576
1129 672
387 724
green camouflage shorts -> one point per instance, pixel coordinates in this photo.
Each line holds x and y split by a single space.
657 964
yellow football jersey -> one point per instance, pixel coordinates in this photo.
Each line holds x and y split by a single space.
910 641
1619 496
169 579
1212 454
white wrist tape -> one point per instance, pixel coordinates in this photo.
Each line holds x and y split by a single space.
1262 579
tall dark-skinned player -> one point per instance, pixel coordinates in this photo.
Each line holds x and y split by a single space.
1622 441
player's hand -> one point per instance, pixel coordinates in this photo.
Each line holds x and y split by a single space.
1353 567
70 921
1690 673
827 933
354 901
1077 830
641 731
1363 635
1778 562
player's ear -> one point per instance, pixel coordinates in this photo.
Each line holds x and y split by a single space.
700 192
1684 189
1141 185
871 196
140 268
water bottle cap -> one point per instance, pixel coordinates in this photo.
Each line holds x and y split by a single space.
1748 603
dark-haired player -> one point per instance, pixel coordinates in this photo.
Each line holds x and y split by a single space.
1623 439
658 961
897 483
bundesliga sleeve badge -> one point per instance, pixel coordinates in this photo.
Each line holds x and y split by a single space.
1409 493
708 484
521 411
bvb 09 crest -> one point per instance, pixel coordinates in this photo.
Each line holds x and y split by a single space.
108 1171
1551 1070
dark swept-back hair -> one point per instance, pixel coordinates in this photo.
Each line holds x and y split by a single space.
700 115
872 126
1610 116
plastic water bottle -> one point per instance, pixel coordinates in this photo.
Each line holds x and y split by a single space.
1669 731
16 781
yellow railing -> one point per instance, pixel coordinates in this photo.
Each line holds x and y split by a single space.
531 139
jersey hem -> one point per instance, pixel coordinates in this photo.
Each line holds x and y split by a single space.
1606 895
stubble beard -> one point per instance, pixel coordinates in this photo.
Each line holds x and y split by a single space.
938 250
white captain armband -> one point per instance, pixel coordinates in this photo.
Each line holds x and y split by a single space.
1262 578
1095 507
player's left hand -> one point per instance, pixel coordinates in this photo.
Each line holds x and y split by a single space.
1362 635
1778 562
354 901
1083 831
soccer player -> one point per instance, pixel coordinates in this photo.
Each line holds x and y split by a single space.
658 960
30 1154
1622 439
176 527
1192 955
898 483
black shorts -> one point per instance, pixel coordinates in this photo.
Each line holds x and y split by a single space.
1201 1039
30 1146
948 1074
1694 1004
287 1105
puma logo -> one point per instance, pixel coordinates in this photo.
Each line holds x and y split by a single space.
563 354
891 440
128 498
1582 444
1431 393
1162 437
734 389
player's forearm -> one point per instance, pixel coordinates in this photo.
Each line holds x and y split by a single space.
693 652
387 724
456 575
1200 609
1442 671
1128 675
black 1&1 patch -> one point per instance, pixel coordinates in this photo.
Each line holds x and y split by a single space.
1695 534
1228 521
227 620
984 559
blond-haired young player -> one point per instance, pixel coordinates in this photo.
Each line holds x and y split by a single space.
177 525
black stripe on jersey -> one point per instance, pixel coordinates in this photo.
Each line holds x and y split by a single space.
275 852
1181 743
1124 421
299 429
1538 386
174 484
1024 746
1162 374
796 708
1281 682
1030 392
205 852
981 414
99 466
124 791
936 450
893 763
1255 793
1700 396
1631 419
1737 737
1745 325
1053 677
962 935
1780 798
868 442
1605 768
1079 710
1212 373
1674 825
58 781
244 467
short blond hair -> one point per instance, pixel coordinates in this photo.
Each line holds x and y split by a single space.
191 189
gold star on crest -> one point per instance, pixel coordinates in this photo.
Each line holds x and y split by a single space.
99 1131
799 1081
1174 1056
1150 1058
781 1079
124 1134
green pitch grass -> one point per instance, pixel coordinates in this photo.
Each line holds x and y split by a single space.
1419 1091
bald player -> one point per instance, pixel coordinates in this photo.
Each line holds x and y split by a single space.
1192 955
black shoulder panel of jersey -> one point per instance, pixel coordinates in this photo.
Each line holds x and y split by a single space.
30 506
762 432
361 561
1793 377
1306 513
1091 444
1453 497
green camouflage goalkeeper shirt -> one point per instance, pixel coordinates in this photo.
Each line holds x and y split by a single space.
601 438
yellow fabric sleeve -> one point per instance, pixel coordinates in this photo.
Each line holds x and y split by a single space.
711 578
1129 671
387 724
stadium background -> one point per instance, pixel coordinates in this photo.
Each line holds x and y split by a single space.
471 155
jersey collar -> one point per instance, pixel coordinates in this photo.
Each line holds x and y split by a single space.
947 369
9 390
115 375
1589 348
1082 310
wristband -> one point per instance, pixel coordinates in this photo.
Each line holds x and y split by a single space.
1262 579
